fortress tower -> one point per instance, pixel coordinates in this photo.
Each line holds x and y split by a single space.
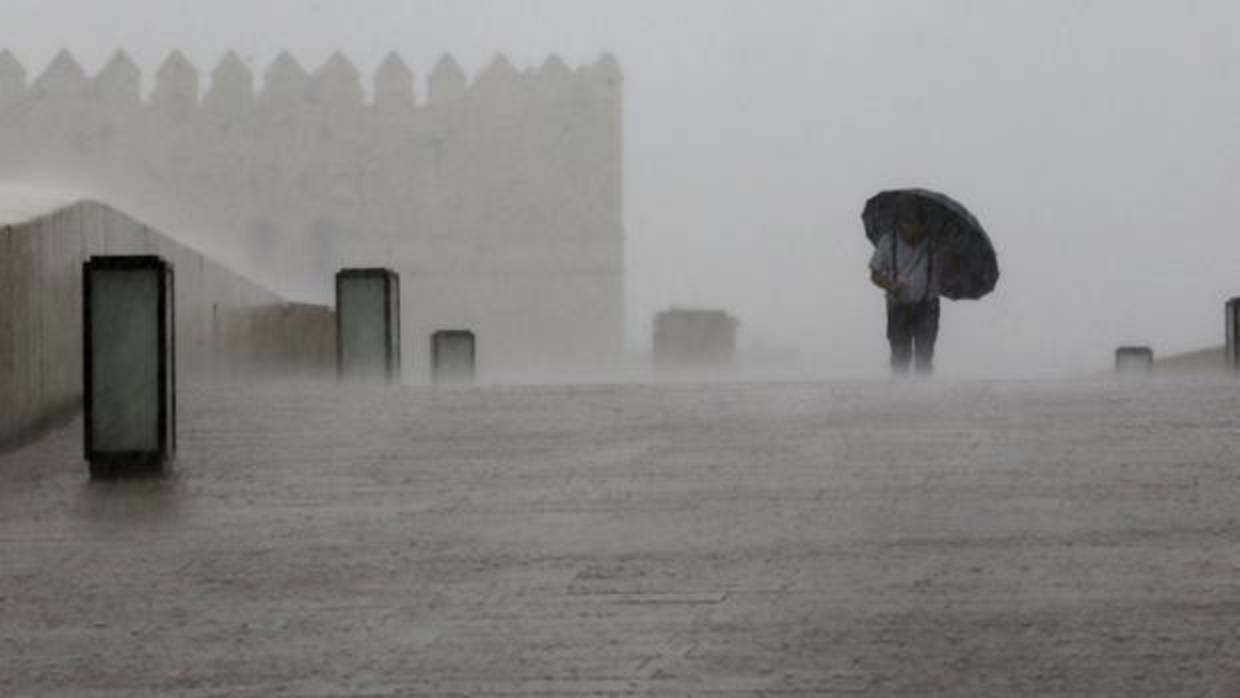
499 200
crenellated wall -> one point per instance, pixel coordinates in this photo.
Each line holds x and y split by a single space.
227 327
499 200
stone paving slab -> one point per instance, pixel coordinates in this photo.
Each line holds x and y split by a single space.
851 539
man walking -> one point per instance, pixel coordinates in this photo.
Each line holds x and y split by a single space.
903 265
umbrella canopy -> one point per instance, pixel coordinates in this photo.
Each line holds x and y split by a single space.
969 268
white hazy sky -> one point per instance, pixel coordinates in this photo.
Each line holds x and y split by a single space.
1096 139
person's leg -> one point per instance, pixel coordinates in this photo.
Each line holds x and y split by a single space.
900 336
925 333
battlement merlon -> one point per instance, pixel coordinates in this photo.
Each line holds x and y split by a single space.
12 78
63 79
337 79
231 89
120 82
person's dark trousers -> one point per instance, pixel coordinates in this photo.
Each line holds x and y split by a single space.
912 329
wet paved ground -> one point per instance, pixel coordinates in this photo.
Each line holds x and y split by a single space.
869 539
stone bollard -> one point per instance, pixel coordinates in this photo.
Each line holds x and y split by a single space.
129 364
1134 360
1233 336
453 357
368 325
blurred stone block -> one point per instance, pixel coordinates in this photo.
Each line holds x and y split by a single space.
453 356
368 325
129 370
694 340
1134 360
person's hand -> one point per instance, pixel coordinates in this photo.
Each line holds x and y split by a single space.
887 283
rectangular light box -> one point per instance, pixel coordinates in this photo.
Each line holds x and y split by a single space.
129 371
453 356
368 325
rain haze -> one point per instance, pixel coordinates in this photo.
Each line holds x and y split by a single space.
1095 141
392 348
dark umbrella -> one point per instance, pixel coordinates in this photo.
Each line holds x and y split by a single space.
969 268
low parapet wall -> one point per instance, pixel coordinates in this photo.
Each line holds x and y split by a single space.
227 326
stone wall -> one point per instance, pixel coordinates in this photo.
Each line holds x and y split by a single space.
227 327
498 199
